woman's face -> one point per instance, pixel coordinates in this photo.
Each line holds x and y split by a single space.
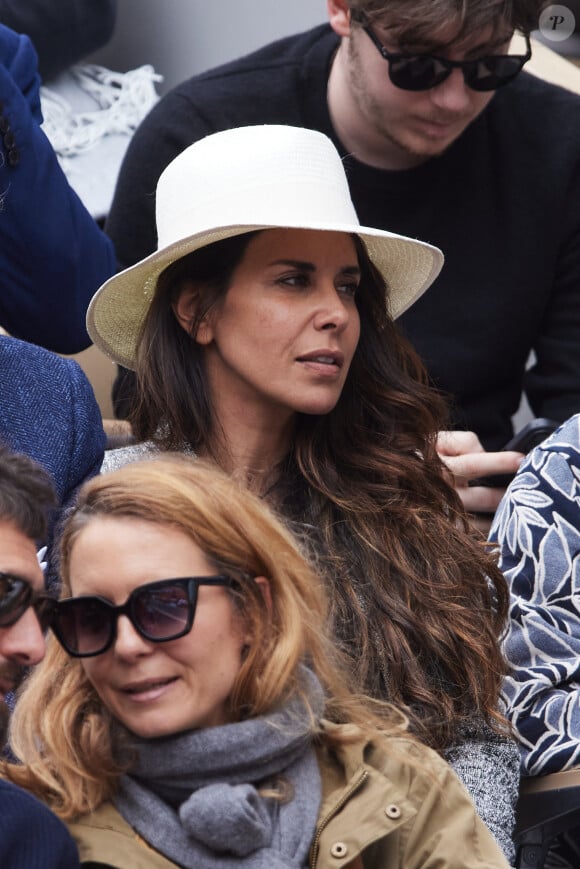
157 689
283 338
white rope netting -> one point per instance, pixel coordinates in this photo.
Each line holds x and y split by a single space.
122 99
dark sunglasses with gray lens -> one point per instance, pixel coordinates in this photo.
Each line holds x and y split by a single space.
17 595
159 611
421 72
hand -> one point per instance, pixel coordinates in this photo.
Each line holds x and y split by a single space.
465 458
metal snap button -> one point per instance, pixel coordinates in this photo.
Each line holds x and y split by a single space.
339 849
393 811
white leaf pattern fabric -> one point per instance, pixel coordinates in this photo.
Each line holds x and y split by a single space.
537 529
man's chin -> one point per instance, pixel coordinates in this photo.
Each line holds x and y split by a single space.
417 148
425 148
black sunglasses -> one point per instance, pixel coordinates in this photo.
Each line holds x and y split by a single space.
16 595
159 611
420 72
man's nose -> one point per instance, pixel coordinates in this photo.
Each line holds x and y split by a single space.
23 642
452 95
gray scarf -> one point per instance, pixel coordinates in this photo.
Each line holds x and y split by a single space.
194 796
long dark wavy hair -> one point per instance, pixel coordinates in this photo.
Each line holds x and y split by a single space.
417 602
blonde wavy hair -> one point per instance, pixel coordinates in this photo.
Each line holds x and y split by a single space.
61 732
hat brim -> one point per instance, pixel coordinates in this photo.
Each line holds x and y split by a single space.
118 309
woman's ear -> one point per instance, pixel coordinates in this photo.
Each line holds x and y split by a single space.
185 310
264 585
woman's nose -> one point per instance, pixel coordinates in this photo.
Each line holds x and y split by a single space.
128 641
333 310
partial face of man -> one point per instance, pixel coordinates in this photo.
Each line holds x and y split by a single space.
391 128
22 643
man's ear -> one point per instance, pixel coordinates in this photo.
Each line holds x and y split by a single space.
185 309
339 16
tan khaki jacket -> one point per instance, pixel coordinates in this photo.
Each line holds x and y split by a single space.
386 804
394 804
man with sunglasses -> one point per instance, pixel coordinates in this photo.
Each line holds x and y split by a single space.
443 139
30 835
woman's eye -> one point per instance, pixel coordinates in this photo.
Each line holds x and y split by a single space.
294 280
348 289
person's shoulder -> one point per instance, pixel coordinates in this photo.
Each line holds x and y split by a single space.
288 49
19 803
414 766
17 53
104 818
559 453
529 130
404 795
117 458
32 376
21 357
395 755
390 770
543 495
29 831
49 411
535 101
285 57
566 437
557 460
44 373
105 838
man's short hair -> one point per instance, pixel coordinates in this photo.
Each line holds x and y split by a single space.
418 21
27 494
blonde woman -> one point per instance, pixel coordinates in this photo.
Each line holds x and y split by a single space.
192 713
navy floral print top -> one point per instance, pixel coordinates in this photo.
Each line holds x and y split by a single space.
537 528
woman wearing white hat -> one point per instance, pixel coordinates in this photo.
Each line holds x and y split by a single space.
262 336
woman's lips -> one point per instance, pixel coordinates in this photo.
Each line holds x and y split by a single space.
147 690
325 362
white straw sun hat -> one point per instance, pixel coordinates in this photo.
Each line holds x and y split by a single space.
240 180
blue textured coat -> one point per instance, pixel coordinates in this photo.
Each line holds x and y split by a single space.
53 255
48 411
